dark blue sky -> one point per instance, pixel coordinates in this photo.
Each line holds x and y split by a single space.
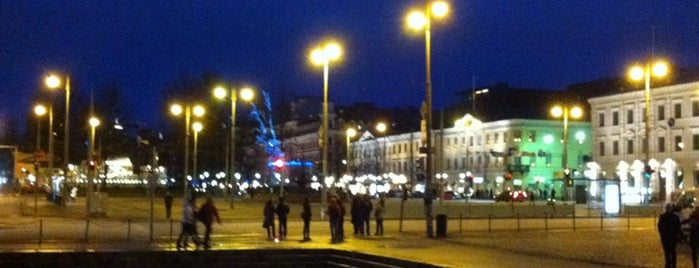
146 45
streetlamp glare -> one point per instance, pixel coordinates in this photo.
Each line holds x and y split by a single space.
381 127
351 132
576 112
636 73
94 122
220 92
440 9
660 69
247 94
176 109
52 81
39 110
333 51
198 110
196 126
416 20
557 111
318 56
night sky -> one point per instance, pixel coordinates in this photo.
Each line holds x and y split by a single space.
144 46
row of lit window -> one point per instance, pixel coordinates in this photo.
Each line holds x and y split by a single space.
660 115
679 145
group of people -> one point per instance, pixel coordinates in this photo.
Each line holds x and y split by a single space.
670 229
361 210
207 213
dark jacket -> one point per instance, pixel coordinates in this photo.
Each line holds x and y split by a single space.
669 227
207 214
306 214
282 211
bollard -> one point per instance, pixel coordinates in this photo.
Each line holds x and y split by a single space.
601 221
518 222
41 231
546 221
490 218
128 231
87 229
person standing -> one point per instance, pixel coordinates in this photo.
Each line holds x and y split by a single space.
268 222
669 227
189 227
333 212
354 211
207 214
693 221
378 216
282 213
306 216
341 219
366 209
168 204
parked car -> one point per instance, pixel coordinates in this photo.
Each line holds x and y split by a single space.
512 196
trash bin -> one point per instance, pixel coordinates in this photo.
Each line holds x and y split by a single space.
441 225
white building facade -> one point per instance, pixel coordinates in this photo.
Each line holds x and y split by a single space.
481 158
618 146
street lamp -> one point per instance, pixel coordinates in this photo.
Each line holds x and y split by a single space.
381 128
422 20
198 110
94 122
565 112
39 110
322 55
474 94
196 127
644 72
350 134
54 82
246 94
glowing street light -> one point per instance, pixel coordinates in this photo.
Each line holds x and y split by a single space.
198 110
196 127
645 72
39 111
246 94
381 128
565 112
54 82
421 20
323 55
94 122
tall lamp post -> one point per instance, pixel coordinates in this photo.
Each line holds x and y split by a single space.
54 82
381 128
196 127
422 20
350 134
94 122
39 111
473 98
198 110
322 55
644 72
246 94
565 112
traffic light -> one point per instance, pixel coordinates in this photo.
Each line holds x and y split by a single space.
648 172
279 164
91 165
568 179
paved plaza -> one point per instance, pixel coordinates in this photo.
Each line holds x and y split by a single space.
479 242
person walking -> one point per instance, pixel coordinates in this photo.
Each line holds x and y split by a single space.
168 204
268 222
189 227
693 221
669 227
282 213
207 214
306 216
378 216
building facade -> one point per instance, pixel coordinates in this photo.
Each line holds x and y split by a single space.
619 133
481 158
